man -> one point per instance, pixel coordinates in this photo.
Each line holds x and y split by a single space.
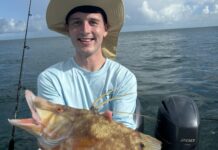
93 27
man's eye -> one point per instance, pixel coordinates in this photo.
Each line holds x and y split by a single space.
75 23
93 23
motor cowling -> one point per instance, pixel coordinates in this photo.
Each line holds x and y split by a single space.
178 123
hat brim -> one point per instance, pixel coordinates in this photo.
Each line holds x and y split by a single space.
58 9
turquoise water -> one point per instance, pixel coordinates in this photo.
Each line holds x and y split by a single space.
166 62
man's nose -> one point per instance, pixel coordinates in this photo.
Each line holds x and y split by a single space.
85 27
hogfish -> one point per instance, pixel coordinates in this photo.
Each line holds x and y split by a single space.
66 128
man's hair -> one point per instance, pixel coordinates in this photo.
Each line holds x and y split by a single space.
87 9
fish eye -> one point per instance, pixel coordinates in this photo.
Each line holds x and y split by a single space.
59 109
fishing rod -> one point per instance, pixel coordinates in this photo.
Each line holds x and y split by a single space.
19 86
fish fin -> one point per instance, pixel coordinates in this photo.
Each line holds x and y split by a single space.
108 115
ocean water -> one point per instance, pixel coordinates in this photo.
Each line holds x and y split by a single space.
165 62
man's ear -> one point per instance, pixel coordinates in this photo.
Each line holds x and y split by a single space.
105 34
106 27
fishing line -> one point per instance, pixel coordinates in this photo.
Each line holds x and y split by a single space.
19 87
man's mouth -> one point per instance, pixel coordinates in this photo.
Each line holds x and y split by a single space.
86 40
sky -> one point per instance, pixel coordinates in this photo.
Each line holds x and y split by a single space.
140 15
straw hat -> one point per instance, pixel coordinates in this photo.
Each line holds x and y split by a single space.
58 9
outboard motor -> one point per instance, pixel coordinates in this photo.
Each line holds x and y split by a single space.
178 124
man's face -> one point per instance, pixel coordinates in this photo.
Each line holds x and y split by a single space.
87 31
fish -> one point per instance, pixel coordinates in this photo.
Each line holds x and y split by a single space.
61 127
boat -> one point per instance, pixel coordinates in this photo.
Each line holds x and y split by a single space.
178 120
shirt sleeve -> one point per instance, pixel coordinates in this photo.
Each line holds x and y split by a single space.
47 88
125 95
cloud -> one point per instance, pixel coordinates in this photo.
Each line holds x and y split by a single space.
216 9
11 25
177 11
210 9
36 23
150 13
206 10
171 12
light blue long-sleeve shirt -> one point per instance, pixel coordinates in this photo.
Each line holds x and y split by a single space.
68 84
